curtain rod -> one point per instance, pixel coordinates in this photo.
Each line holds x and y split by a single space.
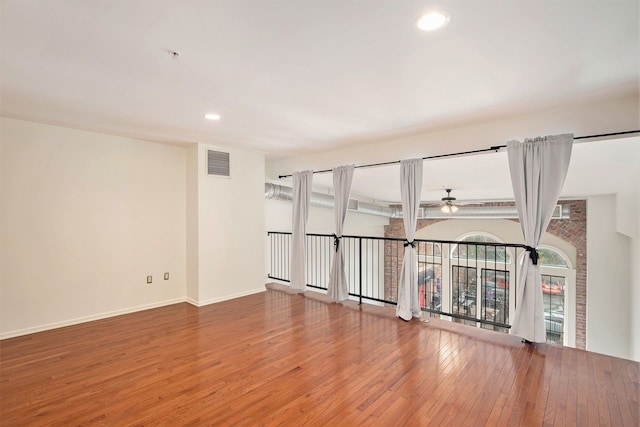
494 148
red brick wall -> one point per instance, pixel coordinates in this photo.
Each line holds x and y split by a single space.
572 231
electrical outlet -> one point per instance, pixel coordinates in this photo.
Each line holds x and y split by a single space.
149 279
166 276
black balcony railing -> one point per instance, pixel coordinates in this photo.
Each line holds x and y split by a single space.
470 282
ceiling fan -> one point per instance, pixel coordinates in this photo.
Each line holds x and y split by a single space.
448 205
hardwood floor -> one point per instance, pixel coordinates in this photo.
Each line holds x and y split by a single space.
276 358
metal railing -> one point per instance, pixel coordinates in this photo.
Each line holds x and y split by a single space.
470 282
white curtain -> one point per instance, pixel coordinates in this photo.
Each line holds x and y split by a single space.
338 288
538 170
411 188
301 200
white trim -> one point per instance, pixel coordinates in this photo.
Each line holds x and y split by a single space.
90 318
561 253
192 302
225 298
569 306
461 237
105 315
277 281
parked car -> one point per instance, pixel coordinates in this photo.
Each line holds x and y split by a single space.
554 323
551 289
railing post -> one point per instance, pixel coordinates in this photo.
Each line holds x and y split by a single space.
360 269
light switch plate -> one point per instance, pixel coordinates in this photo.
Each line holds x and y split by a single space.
149 279
166 276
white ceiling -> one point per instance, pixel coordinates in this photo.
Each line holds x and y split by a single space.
291 76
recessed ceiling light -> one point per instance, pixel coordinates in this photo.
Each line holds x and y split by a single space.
433 20
212 116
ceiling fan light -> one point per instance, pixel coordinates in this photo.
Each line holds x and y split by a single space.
454 208
445 209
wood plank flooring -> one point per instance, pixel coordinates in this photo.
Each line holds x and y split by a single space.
276 358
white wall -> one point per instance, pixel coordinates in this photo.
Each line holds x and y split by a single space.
85 217
278 217
193 250
635 296
609 286
635 265
230 227
628 191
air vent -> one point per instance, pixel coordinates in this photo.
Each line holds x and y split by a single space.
561 212
217 163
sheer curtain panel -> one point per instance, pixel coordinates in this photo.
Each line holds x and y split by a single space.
538 170
411 188
338 288
301 201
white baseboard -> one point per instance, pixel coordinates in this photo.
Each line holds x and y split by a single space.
279 282
192 301
77 320
225 298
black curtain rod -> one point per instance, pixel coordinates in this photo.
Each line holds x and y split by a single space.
495 148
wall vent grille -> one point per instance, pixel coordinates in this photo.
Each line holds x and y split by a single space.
217 163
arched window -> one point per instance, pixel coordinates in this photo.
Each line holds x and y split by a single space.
479 251
551 258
